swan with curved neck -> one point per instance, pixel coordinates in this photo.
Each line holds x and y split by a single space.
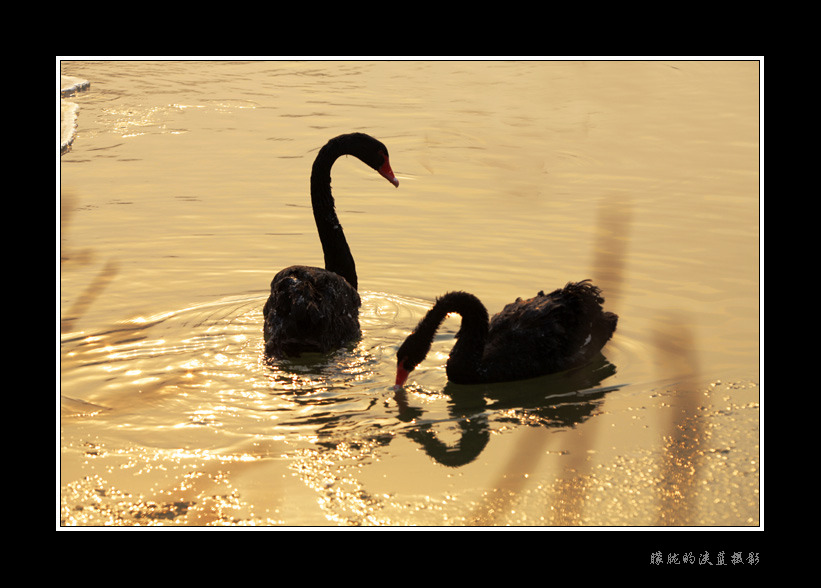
312 309
546 334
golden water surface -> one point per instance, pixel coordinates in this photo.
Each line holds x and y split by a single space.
186 188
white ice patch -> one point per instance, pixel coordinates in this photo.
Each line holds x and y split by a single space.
69 110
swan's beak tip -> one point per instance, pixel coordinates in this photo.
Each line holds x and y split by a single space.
401 377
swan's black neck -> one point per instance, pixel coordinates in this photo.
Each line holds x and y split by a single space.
338 258
466 355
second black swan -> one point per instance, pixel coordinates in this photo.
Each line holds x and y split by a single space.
312 309
546 334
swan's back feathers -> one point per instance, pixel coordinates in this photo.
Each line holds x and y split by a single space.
309 310
549 332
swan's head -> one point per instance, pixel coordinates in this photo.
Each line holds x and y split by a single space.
371 151
375 154
410 355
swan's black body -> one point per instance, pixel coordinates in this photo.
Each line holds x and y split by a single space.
313 309
528 338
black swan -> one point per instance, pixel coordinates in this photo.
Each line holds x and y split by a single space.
312 309
529 338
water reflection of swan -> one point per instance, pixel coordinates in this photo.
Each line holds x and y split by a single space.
554 401
528 338
313 309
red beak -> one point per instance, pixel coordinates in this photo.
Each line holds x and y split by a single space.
387 172
401 375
